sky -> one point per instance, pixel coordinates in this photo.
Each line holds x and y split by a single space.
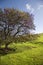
34 7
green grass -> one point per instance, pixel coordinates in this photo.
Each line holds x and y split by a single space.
25 54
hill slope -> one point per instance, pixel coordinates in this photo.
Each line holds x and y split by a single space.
25 54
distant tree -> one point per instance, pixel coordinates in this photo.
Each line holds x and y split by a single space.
14 23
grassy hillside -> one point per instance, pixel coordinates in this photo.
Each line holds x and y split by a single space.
29 53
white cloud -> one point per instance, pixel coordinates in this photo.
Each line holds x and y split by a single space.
34 10
40 6
29 7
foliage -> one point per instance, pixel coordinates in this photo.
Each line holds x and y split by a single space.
14 23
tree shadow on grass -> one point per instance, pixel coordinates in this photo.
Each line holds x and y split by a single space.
4 51
38 42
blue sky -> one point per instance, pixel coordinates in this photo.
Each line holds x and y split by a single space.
32 6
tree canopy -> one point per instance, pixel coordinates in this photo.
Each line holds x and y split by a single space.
14 23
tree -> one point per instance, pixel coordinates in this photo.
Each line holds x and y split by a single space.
14 23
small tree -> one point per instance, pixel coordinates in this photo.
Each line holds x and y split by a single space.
14 23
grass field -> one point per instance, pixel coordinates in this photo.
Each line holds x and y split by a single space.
29 53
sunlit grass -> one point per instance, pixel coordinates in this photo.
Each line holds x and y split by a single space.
25 54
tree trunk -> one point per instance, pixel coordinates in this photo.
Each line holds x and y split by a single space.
0 45
6 46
